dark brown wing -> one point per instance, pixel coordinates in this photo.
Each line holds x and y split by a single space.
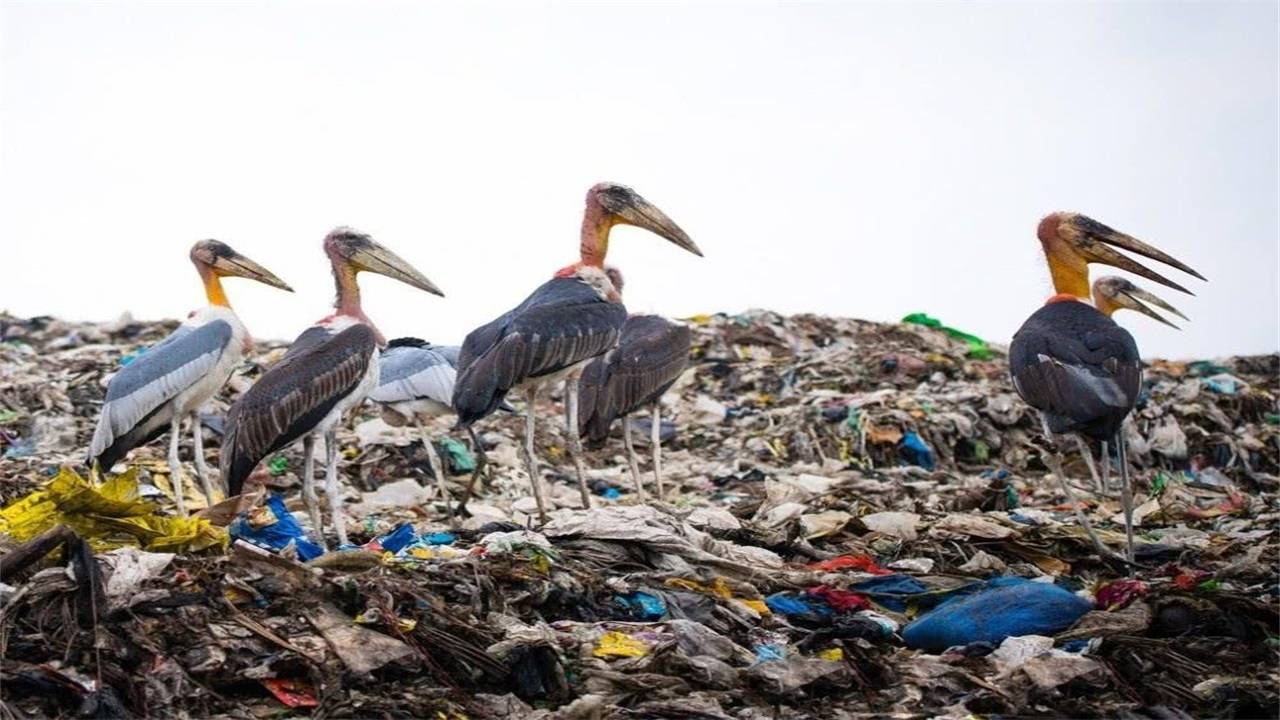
1077 367
560 325
649 358
290 399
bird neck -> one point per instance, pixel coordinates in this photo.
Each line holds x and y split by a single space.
1068 269
1104 304
347 302
212 286
596 224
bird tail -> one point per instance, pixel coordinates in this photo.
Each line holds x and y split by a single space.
236 465
477 393
595 411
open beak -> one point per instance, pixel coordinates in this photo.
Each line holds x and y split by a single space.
644 214
376 259
238 265
1095 241
1132 298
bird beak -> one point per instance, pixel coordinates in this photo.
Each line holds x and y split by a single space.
237 265
376 259
643 214
1095 241
1133 298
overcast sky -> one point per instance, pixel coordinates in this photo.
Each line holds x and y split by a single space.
849 159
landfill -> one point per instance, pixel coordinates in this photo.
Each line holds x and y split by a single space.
861 525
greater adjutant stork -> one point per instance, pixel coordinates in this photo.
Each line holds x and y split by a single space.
649 358
572 318
177 376
328 370
1070 360
415 383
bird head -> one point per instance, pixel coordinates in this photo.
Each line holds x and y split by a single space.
215 259
610 204
1072 241
356 252
1113 293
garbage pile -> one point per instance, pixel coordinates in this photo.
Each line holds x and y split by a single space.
861 525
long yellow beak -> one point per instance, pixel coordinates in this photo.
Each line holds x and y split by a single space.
1094 242
376 259
237 265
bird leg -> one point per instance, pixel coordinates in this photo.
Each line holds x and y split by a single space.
197 449
1054 460
575 441
1126 496
175 467
437 469
309 487
531 397
655 442
482 464
331 486
1088 460
631 456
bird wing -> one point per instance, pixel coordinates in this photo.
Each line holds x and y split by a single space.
414 373
292 398
156 377
563 323
1081 369
649 358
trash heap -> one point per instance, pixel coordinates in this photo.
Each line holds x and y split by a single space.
861 525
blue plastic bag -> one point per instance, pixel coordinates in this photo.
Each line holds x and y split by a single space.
1002 608
278 535
915 451
642 606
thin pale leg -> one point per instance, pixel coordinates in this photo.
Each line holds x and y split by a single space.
575 441
437 469
197 449
655 443
1088 460
482 462
331 486
531 460
175 467
309 488
1054 461
1126 496
631 457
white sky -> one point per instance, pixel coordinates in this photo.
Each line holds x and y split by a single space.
850 159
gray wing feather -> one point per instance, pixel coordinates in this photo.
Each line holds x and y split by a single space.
158 376
414 373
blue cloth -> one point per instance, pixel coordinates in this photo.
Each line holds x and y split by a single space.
891 591
765 653
439 538
642 606
788 604
278 535
1001 608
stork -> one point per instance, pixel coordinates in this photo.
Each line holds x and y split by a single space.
1071 361
177 376
649 358
415 383
570 319
330 368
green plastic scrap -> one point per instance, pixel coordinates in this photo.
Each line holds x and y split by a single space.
978 349
1158 485
277 465
457 455
8 416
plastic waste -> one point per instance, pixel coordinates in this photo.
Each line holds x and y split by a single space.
1002 608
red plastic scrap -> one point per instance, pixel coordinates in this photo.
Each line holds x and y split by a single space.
1119 593
1184 579
294 693
863 563
840 600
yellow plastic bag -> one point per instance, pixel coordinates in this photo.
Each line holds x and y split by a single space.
616 644
109 515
